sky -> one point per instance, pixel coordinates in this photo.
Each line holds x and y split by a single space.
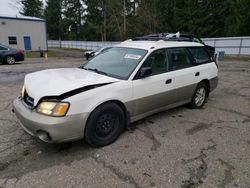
10 7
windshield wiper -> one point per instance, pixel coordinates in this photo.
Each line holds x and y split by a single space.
95 70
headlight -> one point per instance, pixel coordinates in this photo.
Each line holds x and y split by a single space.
22 91
57 109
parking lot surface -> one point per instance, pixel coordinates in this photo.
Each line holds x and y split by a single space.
185 148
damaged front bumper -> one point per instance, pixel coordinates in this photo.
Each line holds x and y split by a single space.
47 128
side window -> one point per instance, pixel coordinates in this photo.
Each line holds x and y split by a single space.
200 55
158 61
179 58
2 48
12 40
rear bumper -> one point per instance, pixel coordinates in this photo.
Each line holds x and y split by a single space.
58 129
19 57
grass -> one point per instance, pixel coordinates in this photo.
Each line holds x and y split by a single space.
54 52
37 54
237 58
69 49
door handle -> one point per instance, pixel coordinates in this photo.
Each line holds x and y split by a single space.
168 81
197 74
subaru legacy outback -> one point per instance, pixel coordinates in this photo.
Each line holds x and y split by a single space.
127 82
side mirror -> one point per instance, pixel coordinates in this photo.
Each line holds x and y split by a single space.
145 72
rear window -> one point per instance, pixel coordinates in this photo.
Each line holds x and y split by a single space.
200 55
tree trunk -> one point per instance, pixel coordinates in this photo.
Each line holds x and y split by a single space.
124 19
104 20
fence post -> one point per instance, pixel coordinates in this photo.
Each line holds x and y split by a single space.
60 43
240 46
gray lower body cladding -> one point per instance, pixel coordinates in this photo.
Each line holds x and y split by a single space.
146 106
213 83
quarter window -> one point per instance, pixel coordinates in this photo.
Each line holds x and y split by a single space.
200 55
158 61
12 40
179 58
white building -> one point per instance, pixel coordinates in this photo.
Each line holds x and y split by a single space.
22 32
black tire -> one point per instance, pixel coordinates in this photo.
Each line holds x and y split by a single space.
200 96
87 57
10 60
104 125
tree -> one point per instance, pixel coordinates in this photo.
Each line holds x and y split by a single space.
32 8
147 21
238 21
122 19
106 19
74 17
53 15
244 16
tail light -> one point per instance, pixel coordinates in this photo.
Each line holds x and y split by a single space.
20 52
216 59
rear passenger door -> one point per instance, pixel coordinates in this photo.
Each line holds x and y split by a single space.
186 74
156 90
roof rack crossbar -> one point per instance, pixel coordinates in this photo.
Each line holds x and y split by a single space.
166 37
161 38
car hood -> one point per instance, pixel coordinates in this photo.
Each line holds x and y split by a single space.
55 82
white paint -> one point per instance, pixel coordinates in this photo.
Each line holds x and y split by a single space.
54 82
35 28
132 56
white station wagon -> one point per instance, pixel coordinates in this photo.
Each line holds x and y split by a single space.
126 83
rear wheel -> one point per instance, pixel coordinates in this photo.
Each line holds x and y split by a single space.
199 96
10 60
104 125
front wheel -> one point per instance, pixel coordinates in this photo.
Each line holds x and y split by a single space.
199 96
10 60
104 125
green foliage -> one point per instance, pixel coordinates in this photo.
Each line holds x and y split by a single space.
32 8
53 15
237 23
122 19
202 17
74 17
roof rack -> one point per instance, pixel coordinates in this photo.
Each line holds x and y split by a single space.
166 37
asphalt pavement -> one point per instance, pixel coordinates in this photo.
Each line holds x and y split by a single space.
178 148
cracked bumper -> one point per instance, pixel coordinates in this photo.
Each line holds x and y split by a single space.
60 129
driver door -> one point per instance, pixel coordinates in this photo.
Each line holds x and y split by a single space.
155 91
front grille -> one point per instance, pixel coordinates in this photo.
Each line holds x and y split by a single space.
28 100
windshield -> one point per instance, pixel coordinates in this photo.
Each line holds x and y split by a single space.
116 62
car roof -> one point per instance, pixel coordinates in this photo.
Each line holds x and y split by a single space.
149 45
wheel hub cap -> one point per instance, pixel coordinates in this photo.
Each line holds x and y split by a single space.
200 96
10 60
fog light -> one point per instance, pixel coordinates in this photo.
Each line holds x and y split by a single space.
44 136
